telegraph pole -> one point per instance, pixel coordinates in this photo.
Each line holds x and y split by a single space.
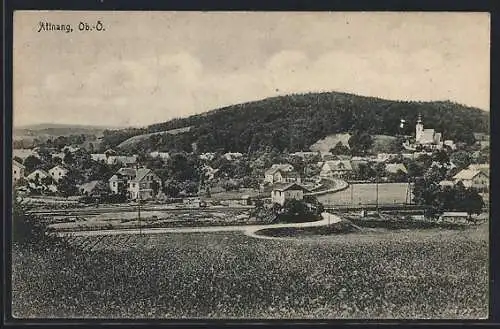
139 210
352 194
376 185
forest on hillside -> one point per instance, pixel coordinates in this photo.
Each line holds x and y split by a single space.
295 122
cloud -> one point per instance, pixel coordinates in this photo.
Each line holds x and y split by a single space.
200 62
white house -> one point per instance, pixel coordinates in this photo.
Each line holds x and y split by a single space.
232 156
88 188
142 186
119 181
386 156
40 173
17 171
336 168
473 178
447 183
281 173
58 172
99 157
121 160
159 155
207 156
450 144
287 191
70 149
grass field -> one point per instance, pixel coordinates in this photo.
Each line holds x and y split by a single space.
388 193
397 274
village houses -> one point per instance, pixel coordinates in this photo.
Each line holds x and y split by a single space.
281 173
139 183
287 191
159 155
473 178
57 173
37 174
88 188
336 168
17 171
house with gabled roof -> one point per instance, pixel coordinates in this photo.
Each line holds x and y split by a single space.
37 174
58 172
473 178
282 192
484 167
336 168
281 173
140 183
145 185
17 171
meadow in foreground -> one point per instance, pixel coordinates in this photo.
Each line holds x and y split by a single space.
401 274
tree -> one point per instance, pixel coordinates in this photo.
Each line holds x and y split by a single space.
32 163
425 161
441 156
47 180
427 193
67 184
340 149
230 185
365 171
294 207
435 174
68 158
379 170
101 190
461 159
473 203
468 200
414 169
399 176
155 186
172 188
360 142
396 145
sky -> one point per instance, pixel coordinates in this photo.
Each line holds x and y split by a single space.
149 67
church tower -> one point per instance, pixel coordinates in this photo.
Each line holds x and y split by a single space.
419 128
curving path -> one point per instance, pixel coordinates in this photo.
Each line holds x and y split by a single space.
249 230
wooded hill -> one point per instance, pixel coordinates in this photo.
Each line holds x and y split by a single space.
295 122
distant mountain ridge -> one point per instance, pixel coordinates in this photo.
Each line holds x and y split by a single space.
42 126
295 122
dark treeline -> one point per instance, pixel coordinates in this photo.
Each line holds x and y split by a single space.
295 122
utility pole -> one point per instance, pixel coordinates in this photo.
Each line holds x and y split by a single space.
376 185
139 210
352 194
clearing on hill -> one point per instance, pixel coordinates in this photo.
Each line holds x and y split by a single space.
330 141
381 143
133 140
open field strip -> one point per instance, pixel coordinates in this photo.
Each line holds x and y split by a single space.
247 229
421 274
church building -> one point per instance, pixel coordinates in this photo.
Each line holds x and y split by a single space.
427 137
